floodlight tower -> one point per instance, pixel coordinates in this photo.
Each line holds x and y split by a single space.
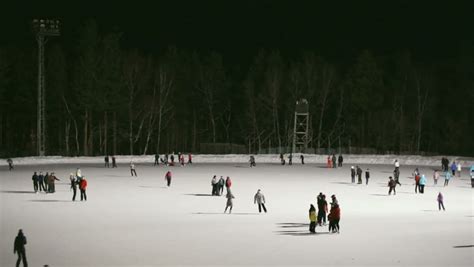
301 127
42 28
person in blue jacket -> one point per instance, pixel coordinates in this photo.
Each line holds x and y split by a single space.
453 168
422 184
447 177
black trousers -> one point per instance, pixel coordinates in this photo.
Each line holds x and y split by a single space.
133 171
353 178
446 181
366 181
440 204
21 256
83 195
422 189
392 189
260 206
41 186
417 187
107 164
359 179
312 227
321 216
168 181
74 191
35 186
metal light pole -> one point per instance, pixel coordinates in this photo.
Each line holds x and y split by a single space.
301 127
42 28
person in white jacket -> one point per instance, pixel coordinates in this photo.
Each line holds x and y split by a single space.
459 168
260 199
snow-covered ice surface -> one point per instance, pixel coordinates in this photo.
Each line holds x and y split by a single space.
139 222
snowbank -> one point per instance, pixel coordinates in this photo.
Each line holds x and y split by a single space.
412 160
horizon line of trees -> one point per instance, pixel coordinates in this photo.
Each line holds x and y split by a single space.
104 99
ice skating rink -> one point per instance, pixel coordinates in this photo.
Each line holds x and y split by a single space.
139 222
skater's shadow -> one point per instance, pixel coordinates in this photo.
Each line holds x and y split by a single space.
292 225
221 213
299 233
430 210
200 195
17 192
48 200
464 246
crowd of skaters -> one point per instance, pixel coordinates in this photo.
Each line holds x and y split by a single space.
46 183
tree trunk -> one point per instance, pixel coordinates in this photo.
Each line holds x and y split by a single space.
85 141
106 149
115 134
66 136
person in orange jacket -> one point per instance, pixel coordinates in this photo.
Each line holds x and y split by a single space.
82 187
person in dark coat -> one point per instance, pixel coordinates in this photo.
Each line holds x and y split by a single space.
259 199
74 182
334 218
168 176
132 169
282 159
290 159
19 248
312 219
359 175
367 176
10 164
157 160
106 160
392 184
35 182
83 187
334 162
252 161
51 183
172 159
396 174
353 174
440 201
340 160
322 209
114 162
46 182
41 182
302 158
214 183
221 184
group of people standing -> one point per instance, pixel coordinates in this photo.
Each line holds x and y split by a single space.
334 215
358 171
107 161
44 183
78 180
168 159
218 185
333 162
290 159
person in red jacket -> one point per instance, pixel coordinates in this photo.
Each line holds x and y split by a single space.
334 217
82 187
168 178
190 158
417 182
228 184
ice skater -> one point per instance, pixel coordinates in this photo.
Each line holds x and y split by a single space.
417 182
447 177
82 188
435 177
106 160
19 248
340 159
228 184
230 202
35 182
302 159
168 177
259 199
329 162
10 164
290 159
422 184
114 162
252 161
459 168
312 219
367 176
214 185
220 185
359 175
41 182
353 174
157 160
132 169
51 183
190 158
392 184
453 168
397 165
73 181
334 162
334 217
440 201
322 209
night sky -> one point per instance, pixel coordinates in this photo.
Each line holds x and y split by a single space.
338 30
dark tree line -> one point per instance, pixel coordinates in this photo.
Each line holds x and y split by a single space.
104 99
